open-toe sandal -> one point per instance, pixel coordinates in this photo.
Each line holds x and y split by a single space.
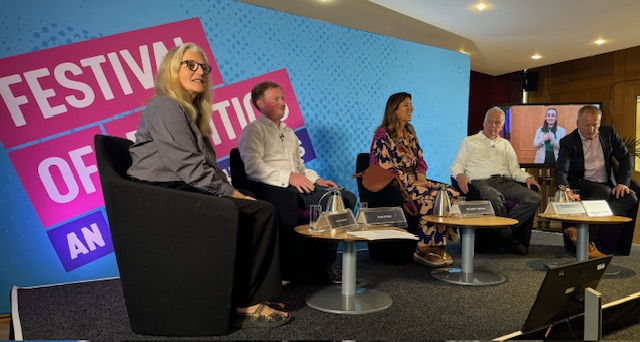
429 259
448 260
257 320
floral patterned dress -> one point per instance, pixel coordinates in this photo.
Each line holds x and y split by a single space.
404 157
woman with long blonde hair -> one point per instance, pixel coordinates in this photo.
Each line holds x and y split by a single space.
173 150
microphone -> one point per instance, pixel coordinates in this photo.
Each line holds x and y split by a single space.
493 146
282 137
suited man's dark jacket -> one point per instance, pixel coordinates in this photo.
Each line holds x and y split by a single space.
570 163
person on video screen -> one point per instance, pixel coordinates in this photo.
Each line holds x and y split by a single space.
547 139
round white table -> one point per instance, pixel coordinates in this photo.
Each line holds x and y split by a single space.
466 275
346 299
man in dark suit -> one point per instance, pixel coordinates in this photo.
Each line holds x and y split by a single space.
585 163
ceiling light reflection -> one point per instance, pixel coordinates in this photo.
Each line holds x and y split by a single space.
481 6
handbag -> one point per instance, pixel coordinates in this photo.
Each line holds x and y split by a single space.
375 178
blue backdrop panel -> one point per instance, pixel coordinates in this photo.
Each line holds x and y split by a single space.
342 78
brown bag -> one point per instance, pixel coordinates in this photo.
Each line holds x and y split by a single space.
375 178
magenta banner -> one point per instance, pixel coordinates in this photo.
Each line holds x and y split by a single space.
60 176
54 90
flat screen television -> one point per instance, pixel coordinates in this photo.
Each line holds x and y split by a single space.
561 295
524 128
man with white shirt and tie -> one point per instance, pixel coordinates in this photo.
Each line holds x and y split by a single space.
489 163
585 163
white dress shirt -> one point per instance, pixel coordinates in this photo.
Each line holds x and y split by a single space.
271 153
480 157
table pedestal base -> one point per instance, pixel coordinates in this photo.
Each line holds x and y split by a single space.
466 275
363 301
474 278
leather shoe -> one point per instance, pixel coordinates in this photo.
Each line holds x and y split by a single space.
330 275
594 252
515 246
572 234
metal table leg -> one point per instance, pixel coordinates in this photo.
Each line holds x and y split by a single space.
348 299
466 275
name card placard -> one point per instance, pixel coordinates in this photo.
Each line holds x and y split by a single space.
338 219
597 208
473 209
565 208
387 216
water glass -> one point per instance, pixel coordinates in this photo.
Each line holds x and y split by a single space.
315 210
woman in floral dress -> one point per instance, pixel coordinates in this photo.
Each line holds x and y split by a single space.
395 147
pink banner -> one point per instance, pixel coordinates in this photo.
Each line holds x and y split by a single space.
54 90
233 110
60 176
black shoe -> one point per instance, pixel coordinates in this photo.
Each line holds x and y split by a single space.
515 246
330 275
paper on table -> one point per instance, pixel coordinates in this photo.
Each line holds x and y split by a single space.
382 234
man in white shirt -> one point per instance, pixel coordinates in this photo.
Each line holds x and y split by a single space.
271 154
489 163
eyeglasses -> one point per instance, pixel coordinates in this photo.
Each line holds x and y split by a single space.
193 66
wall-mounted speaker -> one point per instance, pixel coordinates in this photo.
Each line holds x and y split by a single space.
530 81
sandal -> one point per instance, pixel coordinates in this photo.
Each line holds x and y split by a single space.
257 320
448 260
429 259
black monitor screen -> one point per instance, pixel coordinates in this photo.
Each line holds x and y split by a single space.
532 129
561 294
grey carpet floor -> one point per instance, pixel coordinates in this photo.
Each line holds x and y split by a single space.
423 309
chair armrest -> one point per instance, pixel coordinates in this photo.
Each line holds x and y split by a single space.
285 201
152 225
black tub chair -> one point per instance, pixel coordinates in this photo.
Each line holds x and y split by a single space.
396 252
292 244
175 250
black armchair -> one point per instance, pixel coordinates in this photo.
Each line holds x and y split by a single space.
175 249
286 204
397 252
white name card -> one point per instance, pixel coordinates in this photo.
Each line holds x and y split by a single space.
565 208
386 216
473 209
597 208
